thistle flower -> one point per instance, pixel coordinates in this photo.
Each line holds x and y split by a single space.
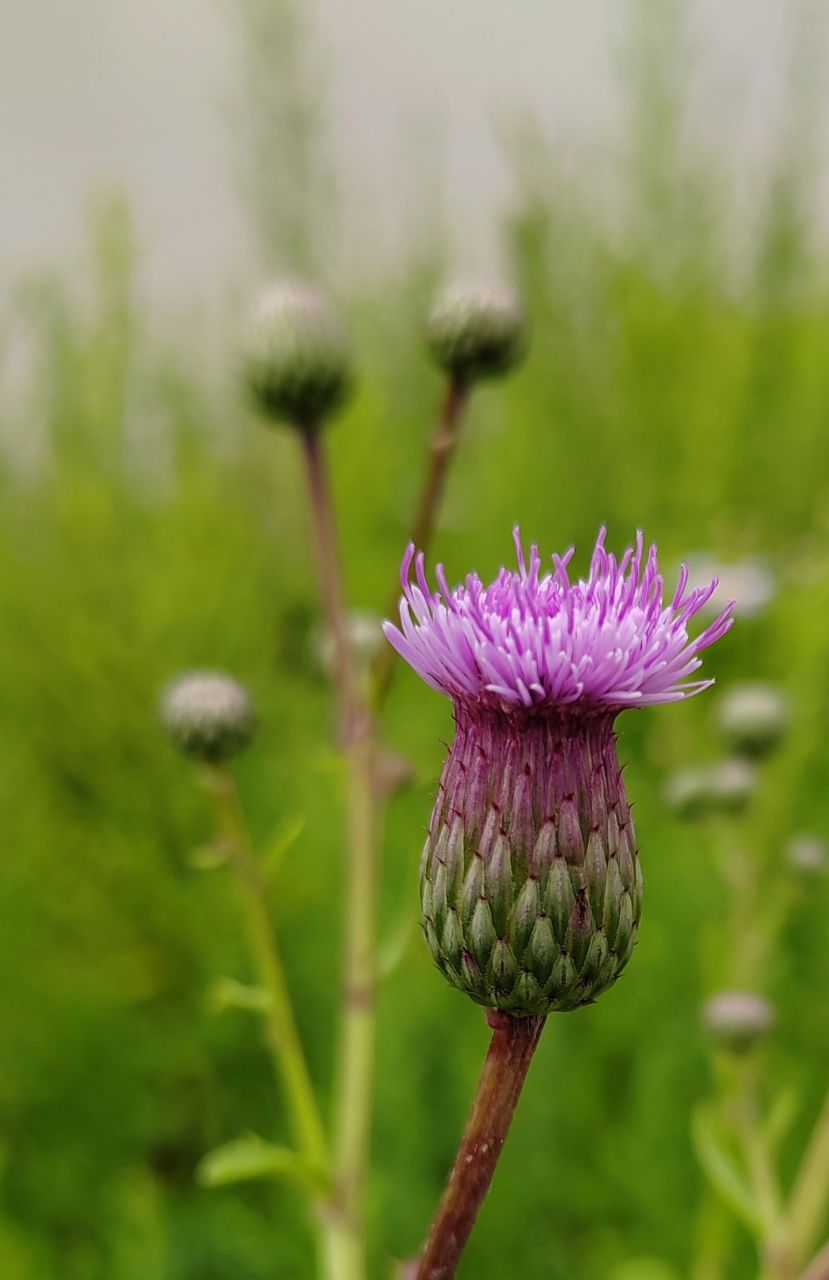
297 360
477 331
531 886
736 1020
208 715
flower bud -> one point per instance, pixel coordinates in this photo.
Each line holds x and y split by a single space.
734 785
689 791
477 332
208 715
754 718
701 791
736 1020
297 361
808 855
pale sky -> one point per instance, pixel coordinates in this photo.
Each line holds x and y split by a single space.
137 93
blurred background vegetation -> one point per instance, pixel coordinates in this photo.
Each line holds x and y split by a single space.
678 380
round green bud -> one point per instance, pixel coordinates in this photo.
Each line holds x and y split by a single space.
477 331
736 1020
208 715
808 855
297 359
754 718
701 791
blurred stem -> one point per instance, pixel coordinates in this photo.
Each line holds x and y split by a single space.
511 1050
332 592
282 1035
713 1238
345 1257
818 1269
442 448
356 1067
809 1201
748 1123
346 1227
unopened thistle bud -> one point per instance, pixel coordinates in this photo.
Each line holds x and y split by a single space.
704 791
737 1020
808 855
208 715
477 332
297 360
531 885
754 718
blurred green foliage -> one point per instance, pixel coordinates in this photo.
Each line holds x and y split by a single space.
148 524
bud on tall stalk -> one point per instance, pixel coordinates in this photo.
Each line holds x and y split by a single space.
208 715
297 359
477 331
531 886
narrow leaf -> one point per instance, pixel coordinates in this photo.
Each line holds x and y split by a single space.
251 1157
227 993
274 852
721 1167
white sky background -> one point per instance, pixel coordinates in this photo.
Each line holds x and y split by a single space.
138 93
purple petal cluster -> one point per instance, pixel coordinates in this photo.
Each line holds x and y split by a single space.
529 640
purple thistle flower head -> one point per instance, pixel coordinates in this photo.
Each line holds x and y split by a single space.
603 643
530 879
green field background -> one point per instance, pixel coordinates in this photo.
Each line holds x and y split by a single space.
678 381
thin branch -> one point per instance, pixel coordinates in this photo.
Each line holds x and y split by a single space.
332 592
345 1225
810 1196
442 448
282 1035
818 1269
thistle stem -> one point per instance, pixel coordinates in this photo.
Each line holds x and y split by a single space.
442 448
818 1269
345 1226
356 1073
513 1044
332 592
810 1196
282 1035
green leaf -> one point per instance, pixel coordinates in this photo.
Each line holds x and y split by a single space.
249 1158
227 993
722 1167
781 1116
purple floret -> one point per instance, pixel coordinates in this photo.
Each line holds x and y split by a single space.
531 641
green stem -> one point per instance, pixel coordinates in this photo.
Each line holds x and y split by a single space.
442 448
352 1125
809 1201
280 1025
818 1268
345 1226
332 592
